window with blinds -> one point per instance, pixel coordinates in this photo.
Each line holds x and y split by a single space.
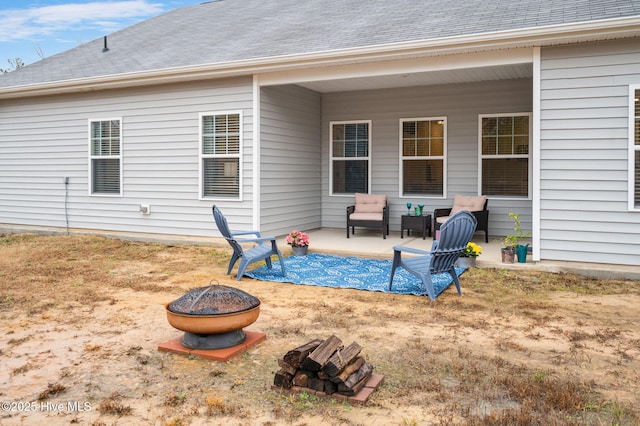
105 156
350 146
220 155
423 156
635 132
505 148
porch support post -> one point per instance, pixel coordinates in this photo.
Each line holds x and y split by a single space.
256 153
535 146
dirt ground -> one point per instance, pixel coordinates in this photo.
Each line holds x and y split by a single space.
81 318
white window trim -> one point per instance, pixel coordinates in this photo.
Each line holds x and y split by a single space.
104 157
435 157
332 158
632 148
201 157
529 155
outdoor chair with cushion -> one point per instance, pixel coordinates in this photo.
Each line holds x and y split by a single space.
265 248
477 205
369 211
455 234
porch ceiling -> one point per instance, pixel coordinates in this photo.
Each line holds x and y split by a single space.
463 75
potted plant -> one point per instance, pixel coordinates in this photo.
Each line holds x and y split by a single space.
468 257
511 243
299 242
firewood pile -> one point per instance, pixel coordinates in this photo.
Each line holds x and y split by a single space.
326 366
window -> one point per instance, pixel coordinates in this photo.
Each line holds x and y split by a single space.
220 155
105 157
422 147
505 142
350 157
634 148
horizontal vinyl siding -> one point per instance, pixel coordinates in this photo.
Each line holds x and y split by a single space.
43 140
290 159
584 153
461 104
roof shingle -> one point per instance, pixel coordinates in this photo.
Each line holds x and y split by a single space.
226 31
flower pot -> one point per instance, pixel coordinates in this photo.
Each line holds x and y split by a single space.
299 251
508 254
466 262
521 251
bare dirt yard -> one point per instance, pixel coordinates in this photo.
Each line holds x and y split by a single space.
81 318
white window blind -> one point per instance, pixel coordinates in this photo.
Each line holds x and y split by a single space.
105 155
220 155
350 145
505 141
635 111
423 156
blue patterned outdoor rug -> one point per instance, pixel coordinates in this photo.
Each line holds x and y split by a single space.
349 272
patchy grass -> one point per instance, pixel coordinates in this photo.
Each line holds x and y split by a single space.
114 407
53 389
519 348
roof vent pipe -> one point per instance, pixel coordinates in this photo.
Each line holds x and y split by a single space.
105 48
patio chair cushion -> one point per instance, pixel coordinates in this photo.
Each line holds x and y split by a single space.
366 216
370 203
467 202
477 205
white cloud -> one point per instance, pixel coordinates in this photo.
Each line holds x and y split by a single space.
48 21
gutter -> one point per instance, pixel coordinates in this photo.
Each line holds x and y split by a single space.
529 37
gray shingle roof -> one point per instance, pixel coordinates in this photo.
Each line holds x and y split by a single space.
234 30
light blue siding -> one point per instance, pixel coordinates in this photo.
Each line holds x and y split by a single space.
584 153
46 139
289 159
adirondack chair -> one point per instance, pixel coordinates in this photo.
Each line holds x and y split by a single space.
455 233
265 248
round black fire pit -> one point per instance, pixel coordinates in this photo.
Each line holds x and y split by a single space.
213 317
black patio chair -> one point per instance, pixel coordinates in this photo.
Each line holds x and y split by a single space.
370 211
477 205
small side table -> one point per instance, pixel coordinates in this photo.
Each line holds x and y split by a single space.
411 221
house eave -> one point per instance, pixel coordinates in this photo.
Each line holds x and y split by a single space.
530 37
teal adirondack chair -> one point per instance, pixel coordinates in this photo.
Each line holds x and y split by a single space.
265 248
455 234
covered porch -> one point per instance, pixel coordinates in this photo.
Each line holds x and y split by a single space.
307 179
369 243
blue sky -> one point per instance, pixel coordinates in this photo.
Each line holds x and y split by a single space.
36 29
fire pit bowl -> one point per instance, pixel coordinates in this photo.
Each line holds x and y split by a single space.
213 317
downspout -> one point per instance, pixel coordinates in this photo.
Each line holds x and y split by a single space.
535 225
256 153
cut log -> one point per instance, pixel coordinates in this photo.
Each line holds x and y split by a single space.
319 357
364 371
316 384
283 379
330 387
295 356
301 378
355 389
341 359
322 375
287 367
349 370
